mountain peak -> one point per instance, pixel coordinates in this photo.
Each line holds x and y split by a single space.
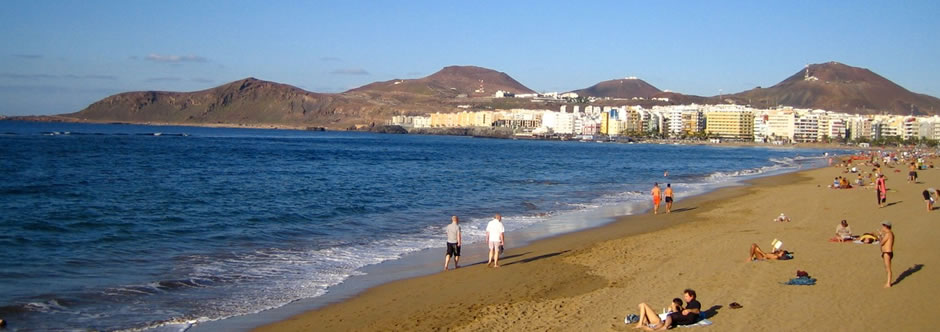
628 87
452 81
839 87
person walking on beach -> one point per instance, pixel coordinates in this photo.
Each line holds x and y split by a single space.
668 195
881 190
657 195
453 243
495 237
887 248
912 174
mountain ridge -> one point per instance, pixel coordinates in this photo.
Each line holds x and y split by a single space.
250 101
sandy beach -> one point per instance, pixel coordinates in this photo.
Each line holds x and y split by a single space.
590 280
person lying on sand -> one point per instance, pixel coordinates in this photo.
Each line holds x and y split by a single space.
650 321
757 254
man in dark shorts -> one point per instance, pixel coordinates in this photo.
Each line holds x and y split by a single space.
453 243
912 175
887 248
928 198
668 197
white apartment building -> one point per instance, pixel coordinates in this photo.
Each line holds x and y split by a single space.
806 128
859 127
421 122
559 122
780 124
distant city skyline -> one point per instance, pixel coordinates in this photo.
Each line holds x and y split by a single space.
58 57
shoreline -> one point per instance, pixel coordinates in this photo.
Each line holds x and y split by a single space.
427 261
582 281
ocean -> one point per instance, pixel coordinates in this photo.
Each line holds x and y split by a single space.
130 227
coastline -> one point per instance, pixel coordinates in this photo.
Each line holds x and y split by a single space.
61 119
590 279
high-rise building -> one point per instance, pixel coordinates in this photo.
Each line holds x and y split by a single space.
730 122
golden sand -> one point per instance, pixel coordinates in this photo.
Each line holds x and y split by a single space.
590 280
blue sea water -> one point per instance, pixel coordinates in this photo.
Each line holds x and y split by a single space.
111 227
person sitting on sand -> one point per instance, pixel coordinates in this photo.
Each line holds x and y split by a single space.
844 183
844 232
650 321
756 254
782 218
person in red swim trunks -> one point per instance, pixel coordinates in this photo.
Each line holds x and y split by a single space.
657 195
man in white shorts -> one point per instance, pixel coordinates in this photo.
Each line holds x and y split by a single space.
494 238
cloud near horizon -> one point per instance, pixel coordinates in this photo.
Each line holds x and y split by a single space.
49 76
350 71
175 58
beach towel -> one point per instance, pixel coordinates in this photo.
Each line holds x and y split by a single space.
860 242
801 281
836 239
701 322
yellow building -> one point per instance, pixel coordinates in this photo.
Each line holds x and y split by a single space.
614 127
730 124
465 119
483 119
692 122
444 120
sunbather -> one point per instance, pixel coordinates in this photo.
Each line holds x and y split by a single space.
757 254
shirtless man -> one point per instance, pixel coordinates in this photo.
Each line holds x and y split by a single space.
887 248
912 174
668 194
881 190
656 197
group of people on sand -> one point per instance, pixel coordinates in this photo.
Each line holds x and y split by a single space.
495 240
885 237
660 195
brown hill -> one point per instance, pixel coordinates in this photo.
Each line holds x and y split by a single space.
248 102
253 102
449 83
620 88
838 87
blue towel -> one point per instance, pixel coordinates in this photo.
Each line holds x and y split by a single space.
801 281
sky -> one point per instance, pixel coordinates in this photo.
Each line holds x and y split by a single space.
60 56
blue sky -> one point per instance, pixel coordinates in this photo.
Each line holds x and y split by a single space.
59 56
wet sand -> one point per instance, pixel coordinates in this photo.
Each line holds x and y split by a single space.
590 280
